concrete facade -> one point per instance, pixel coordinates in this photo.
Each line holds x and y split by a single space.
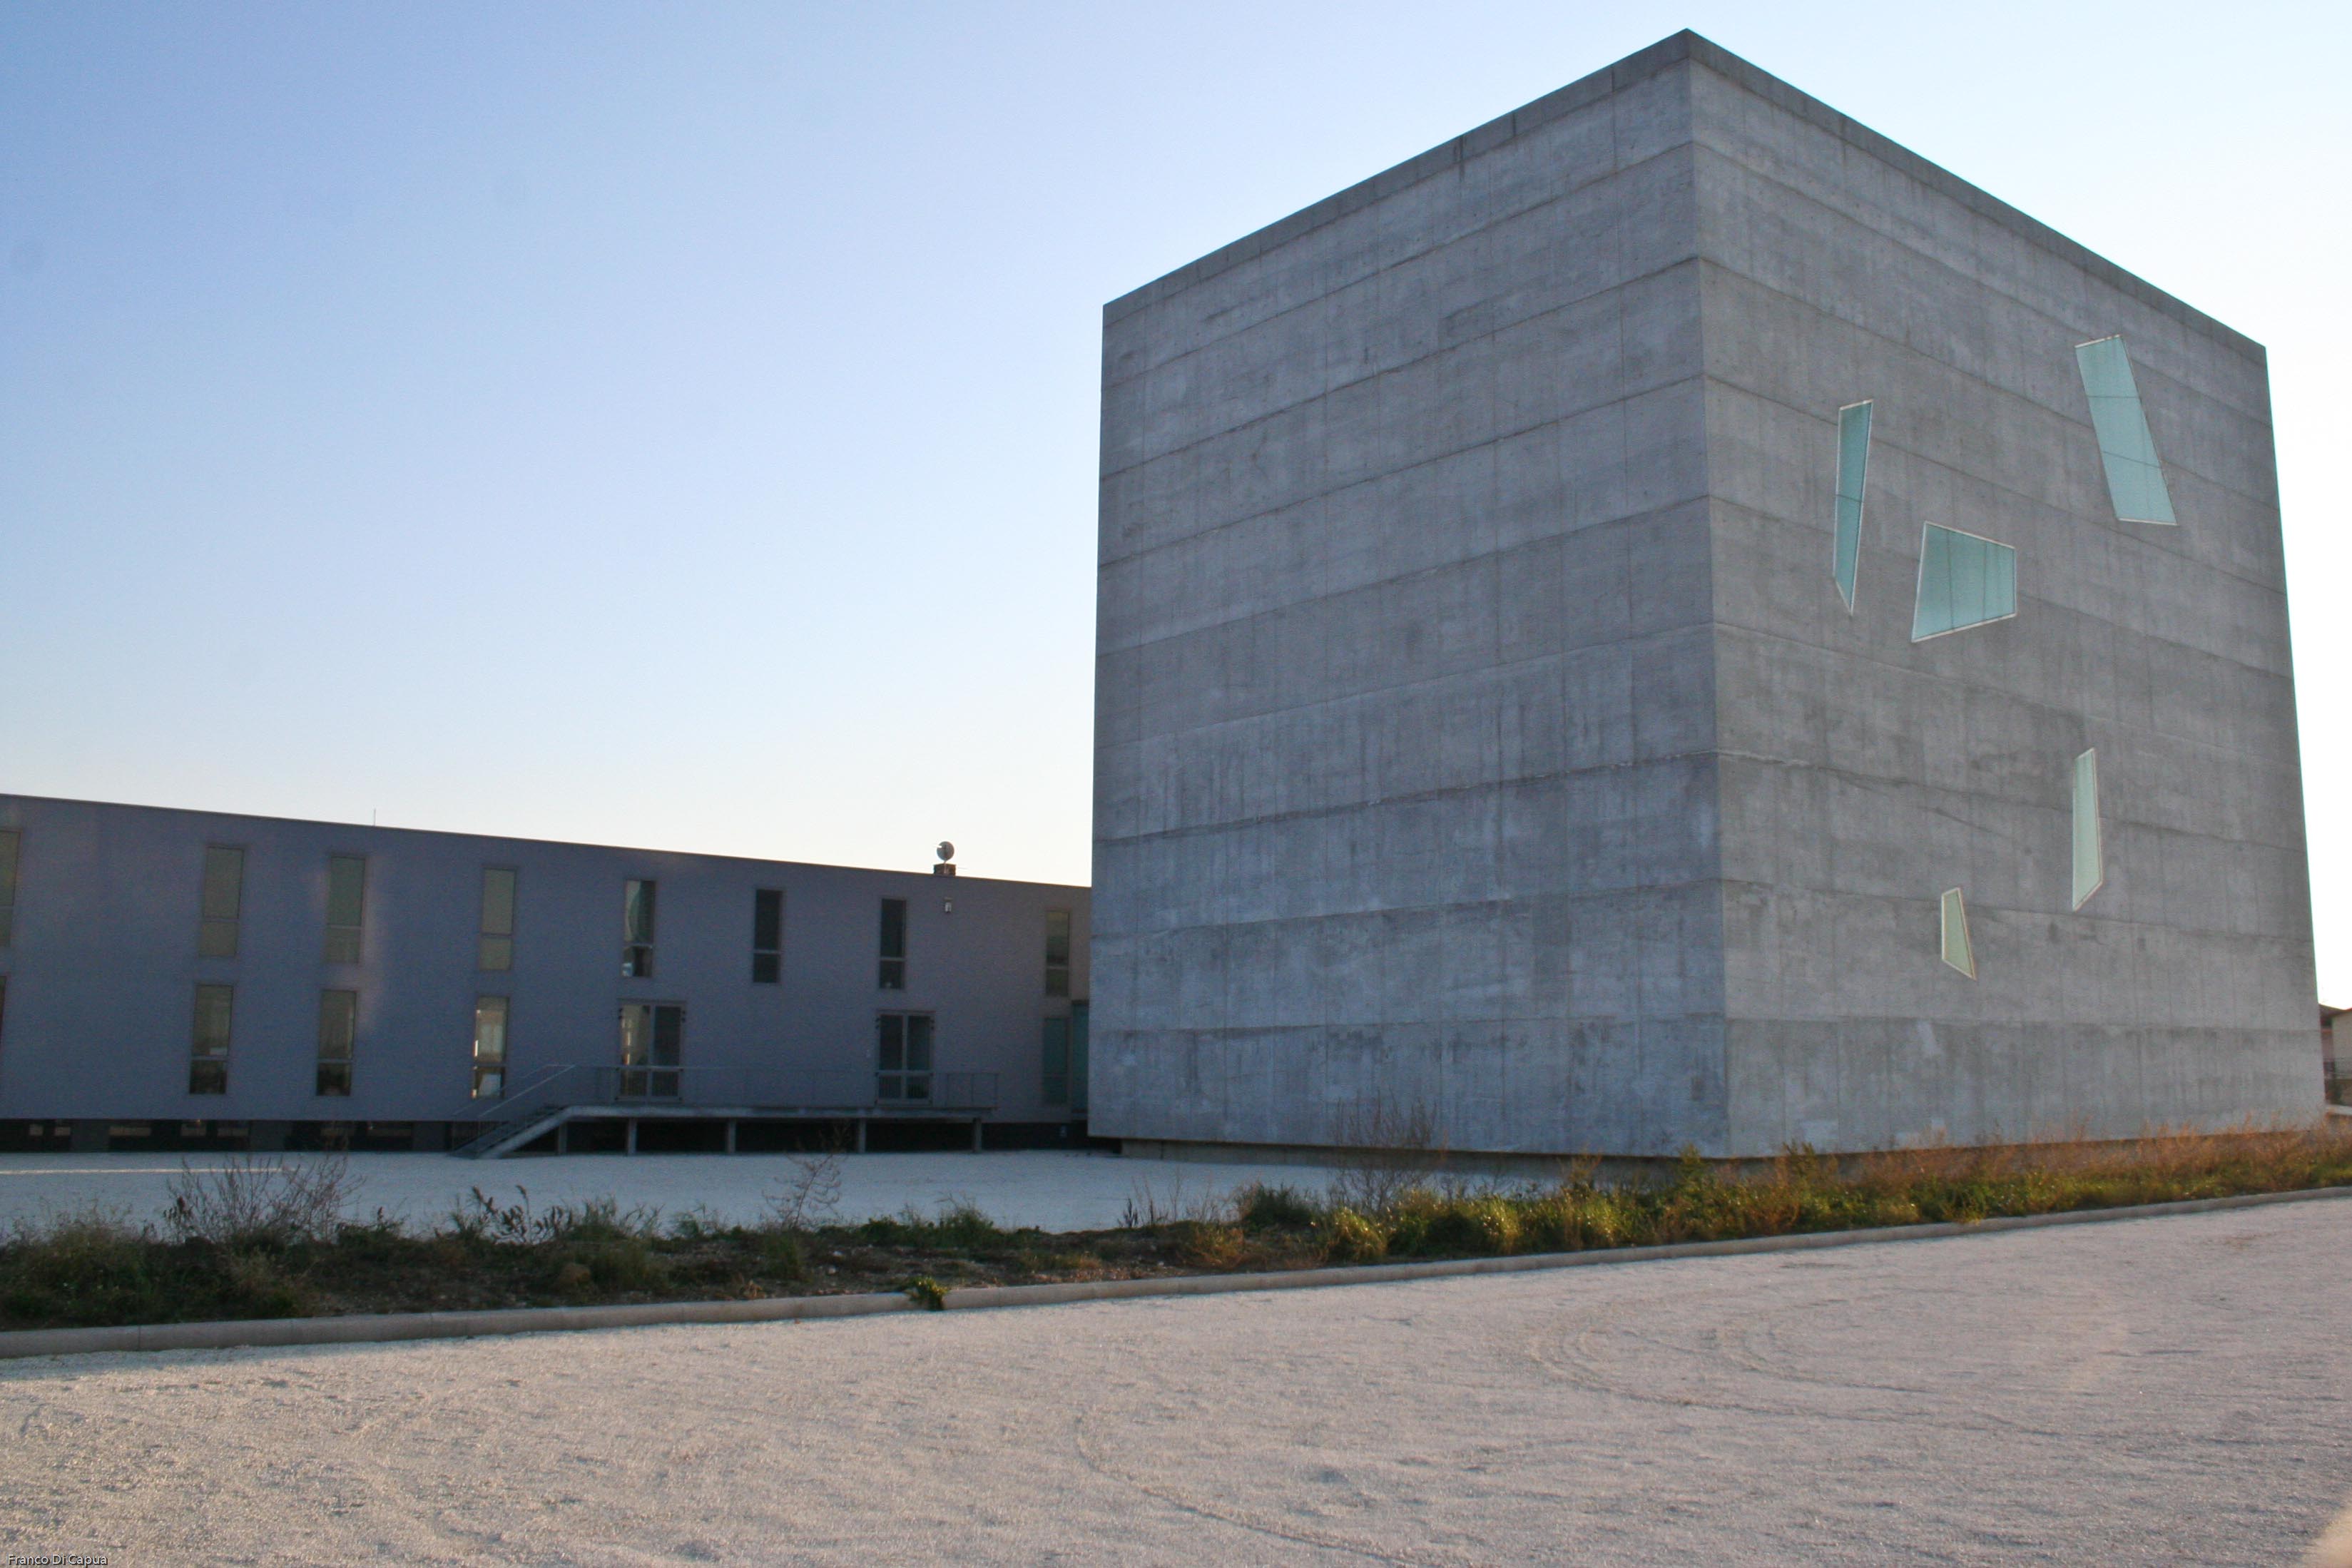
1485 753
100 965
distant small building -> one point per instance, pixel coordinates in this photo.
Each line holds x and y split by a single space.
198 979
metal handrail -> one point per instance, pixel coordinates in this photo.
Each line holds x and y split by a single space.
565 1084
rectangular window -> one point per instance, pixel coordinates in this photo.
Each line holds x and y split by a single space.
346 901
1057 952
1957 951
653 1034
637 929
8 841
2135 477
1056 1080
338 1023
902 1058
208 1045
767 936
224 893
1965 580
495 950
490 1047
1853 462
2090 863
892 976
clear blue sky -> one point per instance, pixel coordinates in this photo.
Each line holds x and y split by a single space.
676 426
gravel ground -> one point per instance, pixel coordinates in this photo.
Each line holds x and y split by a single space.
2159 1391
1049 1189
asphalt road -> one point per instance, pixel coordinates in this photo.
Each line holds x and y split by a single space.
2159 1391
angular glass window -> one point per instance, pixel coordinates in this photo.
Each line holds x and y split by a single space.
490 1047
892 974
653 1036
637 928
495 949
339 1019
208 1042
8 840
767 936
1853 461
1057 952
1965 581
902 1056
2135 477
346 899
224 891
2090 863
1956 950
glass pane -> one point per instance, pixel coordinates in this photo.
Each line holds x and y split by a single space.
1057 936
892 976
1056 1061
217 939
346 888
2090 865
1057 980
338 1012
490 1082
1854 461
215 1007
670 1034
767 919
334 1078
766 968
343 944
2135 477
223 879
637 912
918 1043
497 953
637 962
490 1029
208 1076
1964 580
1957 949
893 928
918 1086
497 902
890 1042
637 1032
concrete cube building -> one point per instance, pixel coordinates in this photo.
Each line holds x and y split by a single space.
1670 622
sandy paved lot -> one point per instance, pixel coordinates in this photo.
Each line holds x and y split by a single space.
1055 1191
2169 1391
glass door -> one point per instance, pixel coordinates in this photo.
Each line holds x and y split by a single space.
652 1036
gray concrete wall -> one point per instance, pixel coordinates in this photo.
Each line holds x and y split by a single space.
1863 773
102 969
1405 799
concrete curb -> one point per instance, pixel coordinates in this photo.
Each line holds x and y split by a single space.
372 1329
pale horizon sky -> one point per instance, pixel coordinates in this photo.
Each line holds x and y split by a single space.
677 426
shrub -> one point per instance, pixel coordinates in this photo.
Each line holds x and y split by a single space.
1351 1238
1262 1207
246 1202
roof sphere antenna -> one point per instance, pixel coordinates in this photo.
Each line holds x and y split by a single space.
947 850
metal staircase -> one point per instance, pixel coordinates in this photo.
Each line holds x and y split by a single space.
536 1108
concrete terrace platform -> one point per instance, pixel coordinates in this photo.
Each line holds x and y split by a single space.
2147 1391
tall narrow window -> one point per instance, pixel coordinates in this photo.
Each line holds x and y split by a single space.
767 936
637 928
902 1056
346 904
223 893
490 1047
2134 476
495 949
653 1037
208 1045
2090 863
4 1008
893 974
1056 1085
339 1024
1854 461
1958 953
1964 580
1057 952
8 841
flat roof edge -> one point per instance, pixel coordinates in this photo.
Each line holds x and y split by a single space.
1684 46
515 838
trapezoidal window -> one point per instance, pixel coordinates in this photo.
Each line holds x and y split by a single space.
224 891
2135 477
2090 863
637 928
346 906
338 1018
1854 461
494 947
1958 953
1965 580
